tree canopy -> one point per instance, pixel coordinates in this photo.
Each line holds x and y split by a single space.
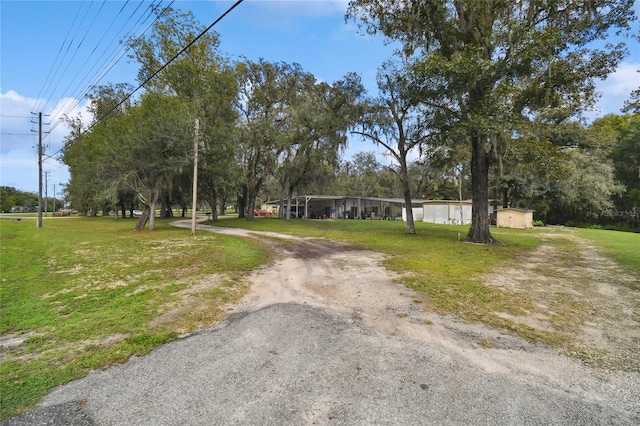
485 67
482 99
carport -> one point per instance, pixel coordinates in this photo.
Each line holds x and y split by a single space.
347 207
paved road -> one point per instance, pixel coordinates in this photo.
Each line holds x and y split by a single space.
296 364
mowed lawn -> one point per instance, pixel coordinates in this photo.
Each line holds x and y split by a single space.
85 293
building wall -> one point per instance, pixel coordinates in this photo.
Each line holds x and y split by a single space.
447 213
511 218
417 214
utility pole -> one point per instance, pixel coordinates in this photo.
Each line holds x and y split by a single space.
46 194
39 221
53 213
195 178
459 168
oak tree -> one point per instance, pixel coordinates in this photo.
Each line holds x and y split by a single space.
485 66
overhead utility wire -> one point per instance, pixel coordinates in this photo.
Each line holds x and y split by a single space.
159 70
80 44
85 89
78 47
113 61
48 94
42 89
88 83
133 30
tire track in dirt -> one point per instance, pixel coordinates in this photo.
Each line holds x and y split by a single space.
343 278
579 292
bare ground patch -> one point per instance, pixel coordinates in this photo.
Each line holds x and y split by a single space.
580 293
201 303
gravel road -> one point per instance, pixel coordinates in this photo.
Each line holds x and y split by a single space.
327 337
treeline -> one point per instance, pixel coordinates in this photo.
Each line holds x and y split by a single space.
577 176
13 200
460 113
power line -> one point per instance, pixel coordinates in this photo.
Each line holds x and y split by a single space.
159 70
71 42
73 101
78 40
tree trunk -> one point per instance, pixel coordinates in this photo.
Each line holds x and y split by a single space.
406 190
251 202
242 202
214 203
479 232
223 204
152 210
142 220
289 202
163 207
285 206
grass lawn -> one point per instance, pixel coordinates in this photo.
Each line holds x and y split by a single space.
86 293
623 247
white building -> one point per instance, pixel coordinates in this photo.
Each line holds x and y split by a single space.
447 212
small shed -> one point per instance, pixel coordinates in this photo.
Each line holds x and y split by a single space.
512 217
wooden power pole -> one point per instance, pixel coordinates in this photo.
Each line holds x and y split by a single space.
194 207
39 221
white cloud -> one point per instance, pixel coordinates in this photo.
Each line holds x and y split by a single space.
16 121
623 81
18 144
617 88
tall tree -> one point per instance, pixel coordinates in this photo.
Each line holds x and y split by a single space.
396 123
587 192
88 152
158 147
321 115
218 169
626 157
267 95
203 76
484 66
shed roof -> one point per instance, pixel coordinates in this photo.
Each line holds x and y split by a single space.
468 202
517 209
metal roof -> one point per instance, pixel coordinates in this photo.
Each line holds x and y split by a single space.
350 197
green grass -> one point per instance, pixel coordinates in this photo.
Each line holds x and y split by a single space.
623 247
88 290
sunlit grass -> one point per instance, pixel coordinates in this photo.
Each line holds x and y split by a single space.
624 247
87 292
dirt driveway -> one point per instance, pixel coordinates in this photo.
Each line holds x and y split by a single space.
326 336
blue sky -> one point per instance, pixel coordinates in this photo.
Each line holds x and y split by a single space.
52 51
